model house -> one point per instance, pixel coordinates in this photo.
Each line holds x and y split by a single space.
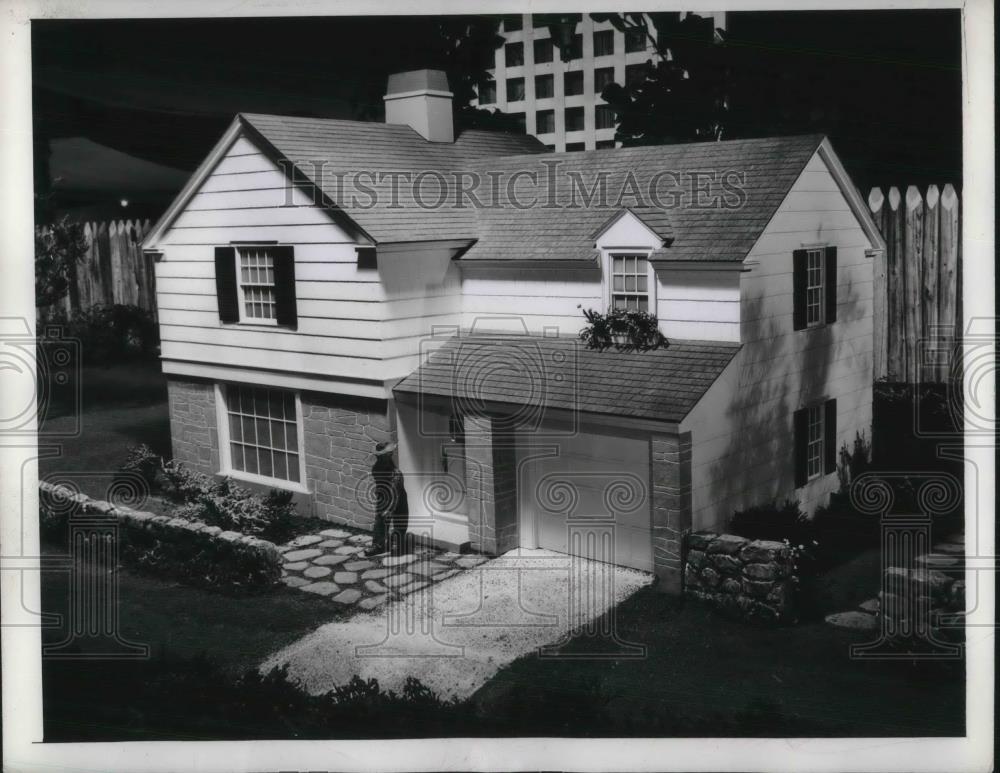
326 285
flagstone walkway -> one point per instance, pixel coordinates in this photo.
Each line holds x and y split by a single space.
332 564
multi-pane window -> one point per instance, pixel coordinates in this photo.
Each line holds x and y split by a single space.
629 282
515 89
635 75
512 23
575 50
573 147
604 43
488 93
814 440
635 40
543 50
814 287
544 86
573 83
574 119
545 121
604 117
519 119
605 144
257 301
602 77
514 54
263 432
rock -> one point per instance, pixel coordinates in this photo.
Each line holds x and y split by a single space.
709 577
398 580
413 586
691 578
399 560
331 543
447 556
729 544
942 563
372 602
426 568
445 575
762 571
305 540
696 558
284 548
302 555
729 585
360 539
375 587
896 579
871 606
757 589
337 533
321 588
892 606
470 561
298 566
358 566
726 564
853 620
349 596
345 578
950 549
931 582
349 550
780 595
762 551
330 560
295 582
700 540
315 572
375 574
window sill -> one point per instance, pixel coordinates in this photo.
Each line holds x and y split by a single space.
247 477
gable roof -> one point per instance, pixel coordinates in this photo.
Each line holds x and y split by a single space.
550 372
708 201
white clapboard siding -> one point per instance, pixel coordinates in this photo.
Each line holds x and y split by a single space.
742 429
251 216
273 359
304 272
205 320
283 234
304 253
284 196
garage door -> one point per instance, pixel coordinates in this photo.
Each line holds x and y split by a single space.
591 474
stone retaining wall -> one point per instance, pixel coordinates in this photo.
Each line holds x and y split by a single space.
254 557
751 580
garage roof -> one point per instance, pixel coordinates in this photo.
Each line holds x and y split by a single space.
662 384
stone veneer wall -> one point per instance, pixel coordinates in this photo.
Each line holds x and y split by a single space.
491 483
339 438
194 434
752 580
340 434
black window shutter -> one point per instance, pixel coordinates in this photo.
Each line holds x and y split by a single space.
830 437
830 279
799 289
801 441
284 286
225 284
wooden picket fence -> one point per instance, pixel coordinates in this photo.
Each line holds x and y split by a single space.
114 270
917 307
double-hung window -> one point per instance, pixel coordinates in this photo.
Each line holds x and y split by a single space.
814 287
256 285
815 441
629 282
263 432
814 284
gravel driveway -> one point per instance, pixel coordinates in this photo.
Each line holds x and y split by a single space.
455 635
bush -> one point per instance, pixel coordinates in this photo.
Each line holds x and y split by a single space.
625 330
219 503
109 333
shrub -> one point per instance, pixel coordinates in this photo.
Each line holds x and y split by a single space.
625 330
219 503
109 333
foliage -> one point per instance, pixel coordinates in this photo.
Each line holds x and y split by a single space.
627 331
58 249
108 334
683 94
219 503
854 462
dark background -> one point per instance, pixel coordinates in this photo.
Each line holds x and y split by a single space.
884 85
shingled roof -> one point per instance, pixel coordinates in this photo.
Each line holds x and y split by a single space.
559 372
360 147
713 199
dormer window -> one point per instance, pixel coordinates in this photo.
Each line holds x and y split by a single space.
630 282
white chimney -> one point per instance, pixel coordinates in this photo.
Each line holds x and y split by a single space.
421 99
